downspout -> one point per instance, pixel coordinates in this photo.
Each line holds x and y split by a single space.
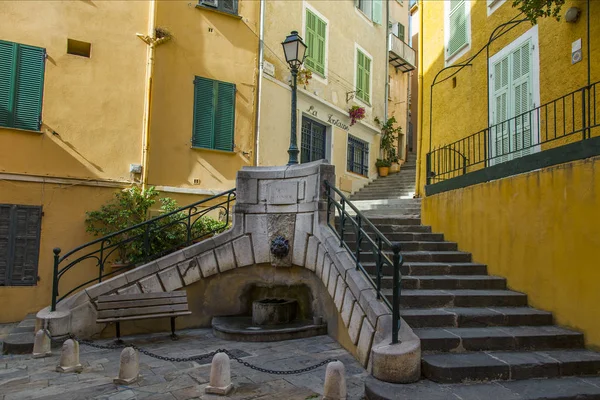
148 95
387 57
261 46
420 95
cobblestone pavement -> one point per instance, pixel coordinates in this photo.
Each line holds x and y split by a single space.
22 377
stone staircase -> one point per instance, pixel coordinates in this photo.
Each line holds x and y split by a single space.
474 330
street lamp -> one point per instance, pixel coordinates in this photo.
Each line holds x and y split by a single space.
294 50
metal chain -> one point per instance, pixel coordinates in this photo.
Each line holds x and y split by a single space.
116 346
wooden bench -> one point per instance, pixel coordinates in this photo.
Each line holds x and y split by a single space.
130 307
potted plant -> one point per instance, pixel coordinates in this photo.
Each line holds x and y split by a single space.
393 158
356 113
383 167
304 77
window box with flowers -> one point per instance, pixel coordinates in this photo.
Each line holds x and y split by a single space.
356 113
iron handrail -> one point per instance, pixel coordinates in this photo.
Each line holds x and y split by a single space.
376 243
567 115
156 237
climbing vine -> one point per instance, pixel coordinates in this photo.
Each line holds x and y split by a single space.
534 9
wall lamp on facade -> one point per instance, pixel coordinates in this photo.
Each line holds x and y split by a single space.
295 51
572 14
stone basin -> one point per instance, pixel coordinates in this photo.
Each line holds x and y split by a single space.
273 311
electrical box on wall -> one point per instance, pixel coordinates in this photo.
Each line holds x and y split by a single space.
135 168
576 51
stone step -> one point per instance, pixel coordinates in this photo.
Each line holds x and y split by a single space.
390 183
377 210
385 189
509 365
405 237
569 388
460 298
420 269
387 224
407 246
473 317
424 256
389 196
20 340
387 213
450 282
458 340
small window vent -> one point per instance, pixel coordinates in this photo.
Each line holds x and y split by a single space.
79 48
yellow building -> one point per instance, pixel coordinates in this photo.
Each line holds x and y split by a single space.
508 146
95 96
348 69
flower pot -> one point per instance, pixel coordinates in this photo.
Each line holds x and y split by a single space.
383 171
394 168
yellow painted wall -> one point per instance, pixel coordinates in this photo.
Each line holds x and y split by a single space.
539 230
463 110
92 108
212 45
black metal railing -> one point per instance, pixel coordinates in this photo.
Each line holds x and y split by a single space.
370 238
144 242
566 119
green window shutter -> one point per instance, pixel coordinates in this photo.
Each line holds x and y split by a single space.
225 116
204 113
377 11
500 138
401 32
521 99
363 77
30 87
316 30
458 36
310 39
7 73
214 114
21 85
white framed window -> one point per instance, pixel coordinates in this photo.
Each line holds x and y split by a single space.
457 32
493 5
372 9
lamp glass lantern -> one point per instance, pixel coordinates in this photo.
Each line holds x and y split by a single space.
294 50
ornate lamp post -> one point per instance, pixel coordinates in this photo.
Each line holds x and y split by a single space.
294 50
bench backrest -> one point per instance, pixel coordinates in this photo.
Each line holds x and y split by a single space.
130 305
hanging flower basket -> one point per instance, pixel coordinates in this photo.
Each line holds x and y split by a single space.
304 76
356 113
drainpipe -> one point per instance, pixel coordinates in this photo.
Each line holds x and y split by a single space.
261 46
148 95
420 94
387 57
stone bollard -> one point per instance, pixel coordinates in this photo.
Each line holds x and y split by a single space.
220 375
69 357
129 369
41 345
335 382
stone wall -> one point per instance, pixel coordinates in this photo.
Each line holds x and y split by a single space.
271 202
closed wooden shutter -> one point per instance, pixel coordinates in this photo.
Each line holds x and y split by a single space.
225 116
458 36
4 241
363 77
7 72
401 32
499 130
316 30
21 85
214 114
19 244
522 101
377 11
204 109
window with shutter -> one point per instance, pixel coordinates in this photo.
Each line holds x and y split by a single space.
228 6
214 114
19 244
373 9
316 32
358 156
458 27
512 125
363 77
21 85
401 31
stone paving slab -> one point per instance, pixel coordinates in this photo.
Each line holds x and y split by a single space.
25 378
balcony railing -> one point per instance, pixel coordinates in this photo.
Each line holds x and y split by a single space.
567 119
401 55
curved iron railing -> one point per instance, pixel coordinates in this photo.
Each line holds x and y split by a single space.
150 240
374 241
